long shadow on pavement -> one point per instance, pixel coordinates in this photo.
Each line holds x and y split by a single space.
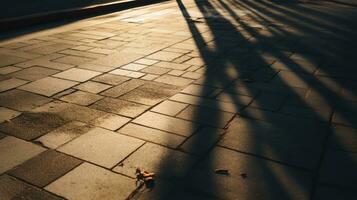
285 57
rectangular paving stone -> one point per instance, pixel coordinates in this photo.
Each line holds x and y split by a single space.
9 53
101 184
103 147
9 69
102 51
152 135
94 67
12 188
6 60
175 72
73 60
149 77
11 83
81 98
120 107
164 56
213 104
45 168
7 114
76 74
288 140
133 67
29 125
192 75
81 53
202 141
46 63
173 80
36 46
53 48
207 116
37 61
34 73
117 59
182 59
268 101
169 108
155 70
63 134
99 33
166 123
151 157
89 36
110 121
242 90
21 100
48 86
339 168
300 65
234 98
142 51
293 79
192 69
120 72
92 87
249 178
149 96
145 61
111 79
171 65
136 74
123 88
196 61
70 112
15 151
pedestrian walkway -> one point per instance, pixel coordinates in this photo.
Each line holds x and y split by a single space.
221 99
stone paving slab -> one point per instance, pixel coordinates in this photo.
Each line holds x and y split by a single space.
11 84
285 143
166 123
75 74
7 114
120 107
45 168
15 151
152 135
63 134
102 184
12 188
48 86
248 174
101 147
29 126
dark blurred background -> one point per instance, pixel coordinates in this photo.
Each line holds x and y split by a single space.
20 8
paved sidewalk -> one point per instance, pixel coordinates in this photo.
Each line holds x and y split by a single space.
222 99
